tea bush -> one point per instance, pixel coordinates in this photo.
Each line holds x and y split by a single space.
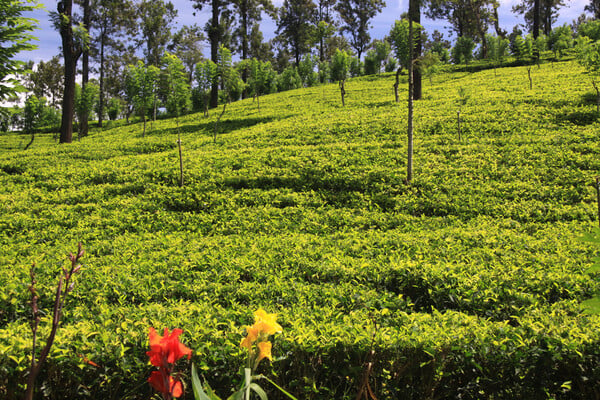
466 284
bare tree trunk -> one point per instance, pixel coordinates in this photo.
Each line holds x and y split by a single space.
598 196
343 91
409 164
214 39
529 76
85 72
65 9
597 96
458 124
101 105
397 84
414 11
144 118
180 154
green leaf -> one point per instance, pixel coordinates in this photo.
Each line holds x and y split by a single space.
276 385
239 395
591 306
259 391
199 393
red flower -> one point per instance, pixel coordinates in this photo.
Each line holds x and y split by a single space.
158 380
166 349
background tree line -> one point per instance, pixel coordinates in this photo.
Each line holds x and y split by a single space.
106 34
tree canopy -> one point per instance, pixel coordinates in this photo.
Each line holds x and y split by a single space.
15 36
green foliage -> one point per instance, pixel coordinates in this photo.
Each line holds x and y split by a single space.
377 57
14 38
523 48
115 108
429 65
228 76
560 40
468 283
141 89
356 67
177 88
497 49
588 54
590 29
205 74
399 40
262 78
32 114
463 50
340 65
324 72
37 114
87 99
306 70
289 79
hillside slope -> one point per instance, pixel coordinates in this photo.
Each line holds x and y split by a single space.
466 284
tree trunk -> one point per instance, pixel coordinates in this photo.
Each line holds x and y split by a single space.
180 154
409 163
536 19
414 12
597 96
101 105
244 27
397 84
85 71
65 8
343 91
215 39
499 31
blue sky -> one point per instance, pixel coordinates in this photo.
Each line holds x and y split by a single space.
49 39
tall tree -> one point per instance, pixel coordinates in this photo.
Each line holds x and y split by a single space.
249 13
85 65
46 80
593 8
15 37
414 16
74 40
215 31
548 13
111 21
156 21
356 16
326 26
296 26
258 48
187 46
142 87
400 43
468 18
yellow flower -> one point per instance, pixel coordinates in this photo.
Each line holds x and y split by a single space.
252 335
264 351
266 323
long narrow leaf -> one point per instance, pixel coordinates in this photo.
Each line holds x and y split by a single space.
259 391
277 386
199 393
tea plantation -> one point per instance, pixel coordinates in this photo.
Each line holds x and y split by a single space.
466 284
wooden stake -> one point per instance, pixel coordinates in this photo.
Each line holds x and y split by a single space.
409 166
598 197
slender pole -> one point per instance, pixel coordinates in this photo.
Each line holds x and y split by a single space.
409 166
458 122
598 197
180 155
